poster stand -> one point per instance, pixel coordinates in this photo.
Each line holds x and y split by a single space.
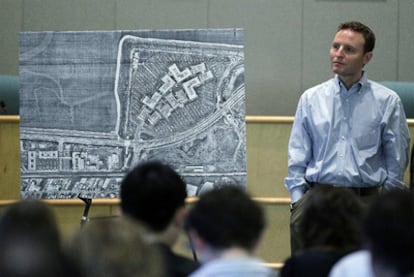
88 203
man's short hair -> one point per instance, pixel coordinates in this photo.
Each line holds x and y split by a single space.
226 217
332 217
389 227
364 30
151 193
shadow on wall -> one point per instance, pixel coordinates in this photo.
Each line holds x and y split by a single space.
9 95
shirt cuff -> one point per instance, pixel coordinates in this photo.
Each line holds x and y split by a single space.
391 184
296 194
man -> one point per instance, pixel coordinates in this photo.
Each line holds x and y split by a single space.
154 194
348 131
226 226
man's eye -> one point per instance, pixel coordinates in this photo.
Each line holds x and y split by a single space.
350 49
335 46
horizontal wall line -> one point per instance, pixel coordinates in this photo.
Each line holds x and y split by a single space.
116 201
249 119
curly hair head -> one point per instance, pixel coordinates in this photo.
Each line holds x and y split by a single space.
332 219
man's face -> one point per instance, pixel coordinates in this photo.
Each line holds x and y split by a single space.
347 54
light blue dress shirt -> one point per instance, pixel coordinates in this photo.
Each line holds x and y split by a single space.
353 138
234 267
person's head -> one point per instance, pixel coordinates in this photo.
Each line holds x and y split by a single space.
352 48
389 232
30 218
225 218
26 257
114 247
30 241
152 193
357 27
332 218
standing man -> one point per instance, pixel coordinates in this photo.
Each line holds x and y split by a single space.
348 131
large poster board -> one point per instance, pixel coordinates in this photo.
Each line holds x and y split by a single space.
93 104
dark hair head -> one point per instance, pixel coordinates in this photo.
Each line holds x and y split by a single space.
151 193
332 218
227 217
389 229
32 218
30 241
364 30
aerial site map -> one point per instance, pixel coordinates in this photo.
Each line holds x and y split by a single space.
93 104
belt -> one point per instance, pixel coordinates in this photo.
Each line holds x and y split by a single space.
365 191
360 191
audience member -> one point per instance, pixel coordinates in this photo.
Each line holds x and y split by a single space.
225 226
357 263
389 234
330 229
388 240
154 194
114 247
30 242
32 218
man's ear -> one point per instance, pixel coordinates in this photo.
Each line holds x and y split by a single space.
367 57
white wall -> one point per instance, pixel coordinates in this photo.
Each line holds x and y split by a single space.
286 41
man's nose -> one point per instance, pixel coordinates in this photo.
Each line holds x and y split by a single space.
339 52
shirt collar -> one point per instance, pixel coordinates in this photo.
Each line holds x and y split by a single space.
361 83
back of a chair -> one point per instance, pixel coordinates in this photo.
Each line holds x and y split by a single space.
9 95
406 92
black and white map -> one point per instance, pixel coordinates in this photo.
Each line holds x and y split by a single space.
93 104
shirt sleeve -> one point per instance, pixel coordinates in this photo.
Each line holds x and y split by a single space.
396 145
299 154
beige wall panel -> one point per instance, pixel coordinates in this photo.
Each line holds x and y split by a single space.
9 159
68 15
275 247
161 14
267 158
321 19
272 50
69 216
406 41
